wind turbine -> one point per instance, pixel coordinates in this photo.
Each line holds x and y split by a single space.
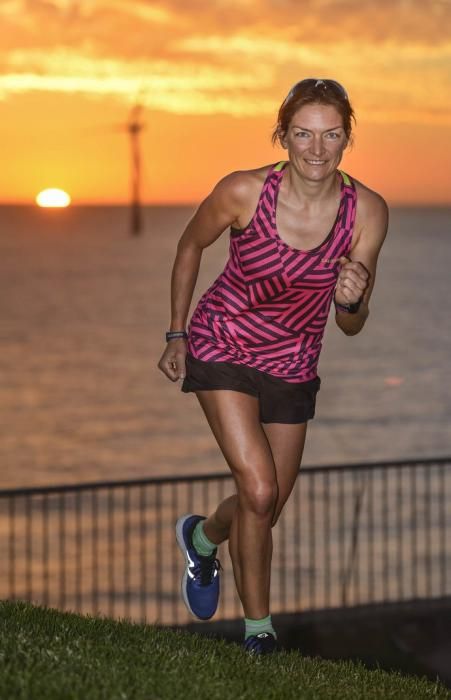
134 127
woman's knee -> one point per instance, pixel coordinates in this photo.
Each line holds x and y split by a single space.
258 497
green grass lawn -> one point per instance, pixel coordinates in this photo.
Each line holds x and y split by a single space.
45 654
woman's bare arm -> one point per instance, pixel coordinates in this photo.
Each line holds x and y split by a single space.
218 211
358 275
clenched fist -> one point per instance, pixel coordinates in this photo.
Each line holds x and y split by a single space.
352 283
172 362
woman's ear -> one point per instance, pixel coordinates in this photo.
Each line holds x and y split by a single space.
282 139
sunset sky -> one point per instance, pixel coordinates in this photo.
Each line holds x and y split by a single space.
211 74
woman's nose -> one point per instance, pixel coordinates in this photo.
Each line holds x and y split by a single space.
317 146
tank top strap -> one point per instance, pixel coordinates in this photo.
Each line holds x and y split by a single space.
264 216
273 178
349 199
346 179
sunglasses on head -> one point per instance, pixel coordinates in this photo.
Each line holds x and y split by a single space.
323 83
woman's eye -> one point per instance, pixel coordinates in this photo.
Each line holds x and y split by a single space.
301 133
333 135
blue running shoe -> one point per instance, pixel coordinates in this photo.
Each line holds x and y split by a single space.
260 644
200 581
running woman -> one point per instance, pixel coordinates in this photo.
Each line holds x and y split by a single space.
303 234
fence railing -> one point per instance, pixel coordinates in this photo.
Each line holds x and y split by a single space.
349 535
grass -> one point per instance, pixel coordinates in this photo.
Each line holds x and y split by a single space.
48 655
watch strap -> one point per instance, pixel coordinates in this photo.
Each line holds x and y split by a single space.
348 308
170 335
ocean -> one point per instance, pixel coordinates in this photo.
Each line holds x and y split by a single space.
83 311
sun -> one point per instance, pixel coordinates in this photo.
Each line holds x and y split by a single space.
53 197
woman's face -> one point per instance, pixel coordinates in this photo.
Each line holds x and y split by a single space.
315 141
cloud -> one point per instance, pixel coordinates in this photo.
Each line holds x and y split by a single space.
312 21
233 56
317 20
184 89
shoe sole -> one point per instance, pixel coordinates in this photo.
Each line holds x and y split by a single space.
181 543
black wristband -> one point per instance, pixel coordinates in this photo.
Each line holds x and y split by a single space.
348 308
176 334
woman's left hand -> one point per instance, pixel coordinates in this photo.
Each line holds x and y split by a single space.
352 283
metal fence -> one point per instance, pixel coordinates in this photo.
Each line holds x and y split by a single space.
349 535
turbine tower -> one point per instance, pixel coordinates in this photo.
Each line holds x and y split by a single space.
134 127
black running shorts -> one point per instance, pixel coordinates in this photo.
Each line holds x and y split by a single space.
279 401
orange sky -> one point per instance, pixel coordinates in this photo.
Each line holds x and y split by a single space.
212 75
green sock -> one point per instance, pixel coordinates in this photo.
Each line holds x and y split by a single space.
201 543
254 627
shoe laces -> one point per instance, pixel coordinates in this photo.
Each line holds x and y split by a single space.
206 570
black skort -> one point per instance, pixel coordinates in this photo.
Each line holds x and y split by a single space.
279 401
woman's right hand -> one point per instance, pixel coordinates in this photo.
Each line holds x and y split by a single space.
172 362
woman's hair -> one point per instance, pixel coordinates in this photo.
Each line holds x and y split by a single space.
314 91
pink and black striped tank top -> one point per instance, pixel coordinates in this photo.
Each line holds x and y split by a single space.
269 306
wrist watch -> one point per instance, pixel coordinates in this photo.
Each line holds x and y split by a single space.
170 335
349 308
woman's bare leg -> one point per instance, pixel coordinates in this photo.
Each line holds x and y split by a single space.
286 441
234 420
286 444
